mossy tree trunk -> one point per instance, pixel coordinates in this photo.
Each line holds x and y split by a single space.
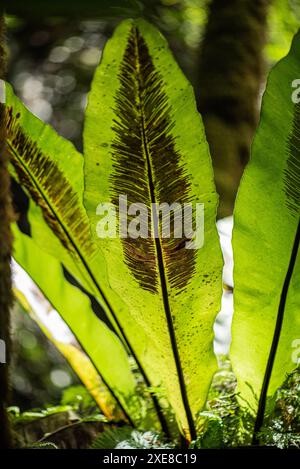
5 252
231 74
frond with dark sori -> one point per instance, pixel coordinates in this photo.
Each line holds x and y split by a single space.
146 167
144 140
107 359
292 173
49 188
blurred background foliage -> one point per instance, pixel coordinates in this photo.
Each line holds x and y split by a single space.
51 64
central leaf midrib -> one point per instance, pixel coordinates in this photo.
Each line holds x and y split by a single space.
159 250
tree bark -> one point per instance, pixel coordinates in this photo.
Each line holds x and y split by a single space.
5 253
231 74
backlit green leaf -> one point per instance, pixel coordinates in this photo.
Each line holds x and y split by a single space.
144 139
51 171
